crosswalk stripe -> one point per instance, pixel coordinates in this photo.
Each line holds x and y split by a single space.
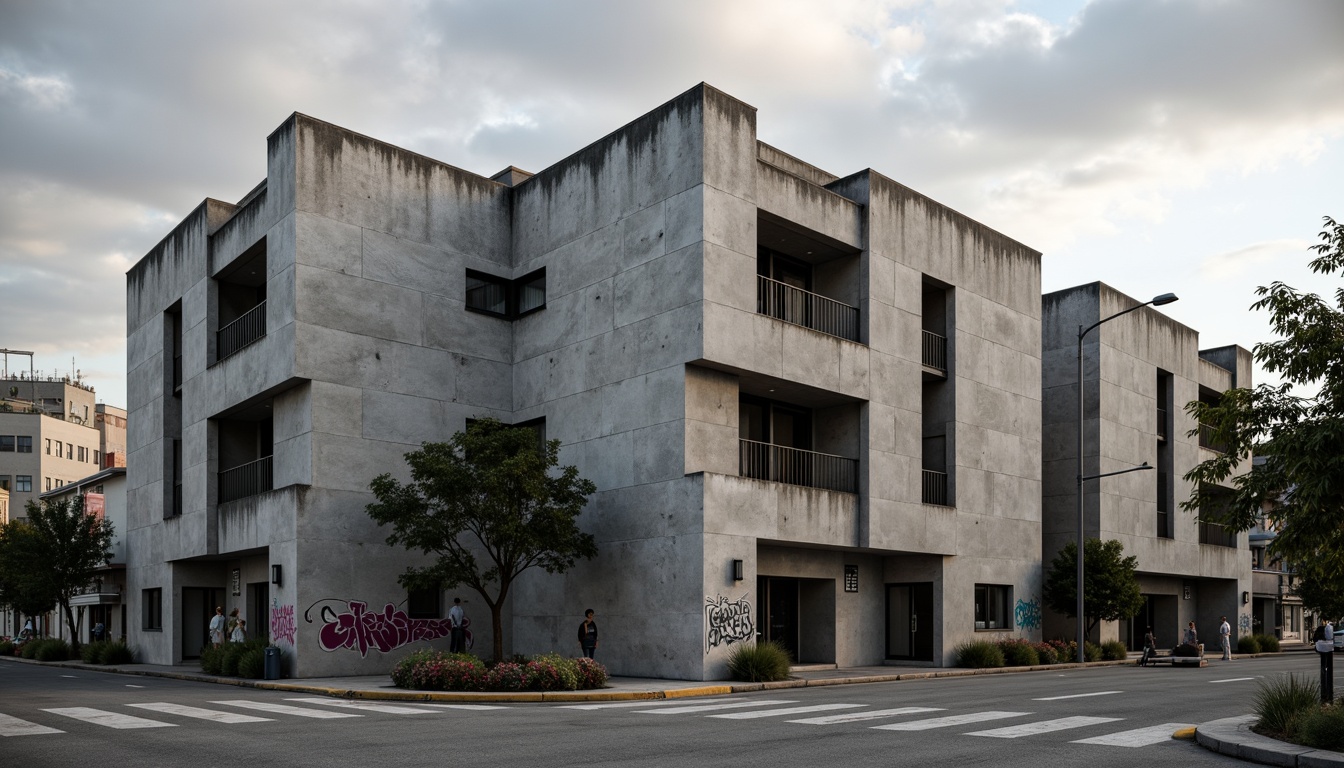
787 711
108 719
1044 726
1078 695
950 720
1139 737
13 726
633 704
199 713
285 709
694 708
852 717
371 706
1228 680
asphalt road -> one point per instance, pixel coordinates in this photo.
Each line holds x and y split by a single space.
52 716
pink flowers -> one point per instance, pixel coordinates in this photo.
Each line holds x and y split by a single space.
431 670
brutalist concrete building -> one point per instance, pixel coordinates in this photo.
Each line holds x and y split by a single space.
1140 371
811 403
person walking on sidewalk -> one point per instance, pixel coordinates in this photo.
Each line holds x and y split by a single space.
217 625
1225 637
588 634
1149 647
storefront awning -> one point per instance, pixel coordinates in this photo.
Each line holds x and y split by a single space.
96 598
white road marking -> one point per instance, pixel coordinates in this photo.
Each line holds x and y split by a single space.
463 706
1044 726
691 709
1078 695
128 685
1230 679
787 711
371 706
853 717
72 677
108 719
198 713
1139 737
13 726
950 720
285 709
633 704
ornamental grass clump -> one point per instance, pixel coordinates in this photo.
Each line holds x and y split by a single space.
1322 727
1282 701
117 653
1019 653
1091 651
252 664
1114 650
92 653
6 648
979 654
52 650
1268 643
1248 644
759 662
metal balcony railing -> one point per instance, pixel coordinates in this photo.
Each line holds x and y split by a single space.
1216 535
245 480
935 488
935 351
764 461
241 332
794 305
1206 439
1161 424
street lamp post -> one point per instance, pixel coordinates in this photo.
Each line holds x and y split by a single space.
1156 301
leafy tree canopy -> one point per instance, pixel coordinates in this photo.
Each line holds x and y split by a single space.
1110 588
488 507
25 584
1299 487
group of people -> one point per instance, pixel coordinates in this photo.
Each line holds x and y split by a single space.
232 627
1189 638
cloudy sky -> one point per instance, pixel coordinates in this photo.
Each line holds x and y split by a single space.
1185 145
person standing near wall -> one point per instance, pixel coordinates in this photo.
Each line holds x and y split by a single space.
1149 647
588 634
457 636
1225 637
217 624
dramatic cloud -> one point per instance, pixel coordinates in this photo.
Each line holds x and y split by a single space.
1078 128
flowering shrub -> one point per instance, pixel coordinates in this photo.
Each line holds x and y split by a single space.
1018 652
431 670
1048 653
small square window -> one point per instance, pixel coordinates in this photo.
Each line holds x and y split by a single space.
5 482
23 483
487 293
423 603
7 443
25 444
993 606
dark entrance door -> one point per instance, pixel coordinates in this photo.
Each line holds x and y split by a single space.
1134 628
910 621
777 611
258 610
198 607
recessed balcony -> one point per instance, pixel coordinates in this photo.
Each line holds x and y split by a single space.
809 310
245 480
781 464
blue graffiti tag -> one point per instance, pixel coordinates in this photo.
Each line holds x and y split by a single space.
1028 614
1244 623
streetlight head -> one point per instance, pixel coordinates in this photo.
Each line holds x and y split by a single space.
1165 298
1145 465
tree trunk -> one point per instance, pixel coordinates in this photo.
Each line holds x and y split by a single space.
497 628
70 623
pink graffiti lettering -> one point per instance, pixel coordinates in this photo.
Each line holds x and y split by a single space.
362 629
283 627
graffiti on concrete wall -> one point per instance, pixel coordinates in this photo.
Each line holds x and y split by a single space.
1244 623
727 621
283 627
358 628
1028 614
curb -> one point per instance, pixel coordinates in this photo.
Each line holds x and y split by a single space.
1232 736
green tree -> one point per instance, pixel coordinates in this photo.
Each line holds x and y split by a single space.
67 547
1318 591
488 507
1110 588
25 584
1300 437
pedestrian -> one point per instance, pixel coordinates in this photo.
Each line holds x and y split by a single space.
457 623
1149 647
1191 637
98 630
239 634
1325 649
217 625
588 634
1225 638
233 622
27 632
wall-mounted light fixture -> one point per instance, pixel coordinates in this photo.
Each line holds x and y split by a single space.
1245 598
737 570
275 575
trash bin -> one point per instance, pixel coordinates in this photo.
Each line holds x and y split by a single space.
272 669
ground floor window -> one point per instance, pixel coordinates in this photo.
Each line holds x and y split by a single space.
423 603
151 610
993 606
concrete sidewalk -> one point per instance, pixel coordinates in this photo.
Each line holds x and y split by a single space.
379 687
1232 736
